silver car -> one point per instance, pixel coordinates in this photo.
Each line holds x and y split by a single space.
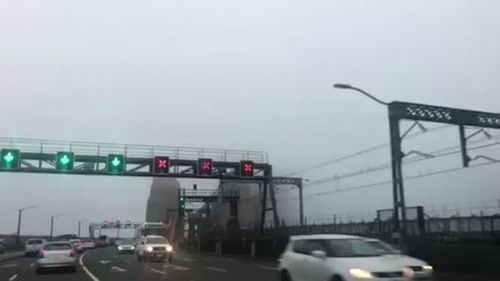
33 246
125 246
55 255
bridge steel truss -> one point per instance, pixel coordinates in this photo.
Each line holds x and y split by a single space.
39 156
420 112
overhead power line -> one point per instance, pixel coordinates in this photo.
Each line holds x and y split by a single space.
380 167
386 182
362 152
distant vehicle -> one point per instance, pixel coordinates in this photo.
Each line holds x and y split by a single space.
154 247
337 258
56 255
102 241
2 247
33 246
415 268
77 245
125 246
151 228
88 244
65 237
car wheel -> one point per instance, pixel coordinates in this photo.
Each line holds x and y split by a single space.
170 259
139 258
72 269
285 276
337 278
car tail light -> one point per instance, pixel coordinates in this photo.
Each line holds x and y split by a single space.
72 253
41 254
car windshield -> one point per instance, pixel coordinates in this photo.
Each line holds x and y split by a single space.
125 242
156 240
349 248
57 247
35 242
383 247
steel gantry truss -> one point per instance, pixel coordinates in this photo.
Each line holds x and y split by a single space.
420 112
39 156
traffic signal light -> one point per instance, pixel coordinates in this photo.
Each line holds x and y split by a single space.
65 160
205 166
10 158
182 206
115 163
246 168
162 164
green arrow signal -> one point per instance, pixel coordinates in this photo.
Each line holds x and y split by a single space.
65 159
8 157
116 161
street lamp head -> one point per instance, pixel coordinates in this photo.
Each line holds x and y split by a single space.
342 86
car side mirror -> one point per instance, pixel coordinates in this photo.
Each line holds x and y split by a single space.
319 254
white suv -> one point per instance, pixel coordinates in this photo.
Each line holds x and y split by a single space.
154 247
33 246
338 258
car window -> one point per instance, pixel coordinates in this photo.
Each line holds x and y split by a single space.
349 248
300 247
314 245
35 242
156 240
58 247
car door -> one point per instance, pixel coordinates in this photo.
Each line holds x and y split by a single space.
316 268
295 259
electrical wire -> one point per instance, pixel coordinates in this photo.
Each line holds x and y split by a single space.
381 183
362 152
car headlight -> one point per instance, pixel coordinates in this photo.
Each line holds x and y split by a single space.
360 273
120 248
133 248
427 267
149 249
169 248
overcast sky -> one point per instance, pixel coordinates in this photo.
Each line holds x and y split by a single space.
244 75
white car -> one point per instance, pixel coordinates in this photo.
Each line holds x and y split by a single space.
415 268
33 246
154 247
55 255
332 257
88 244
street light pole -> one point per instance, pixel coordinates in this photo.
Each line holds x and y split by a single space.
20 214
397 174
52 224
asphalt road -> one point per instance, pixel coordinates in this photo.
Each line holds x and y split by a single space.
106 264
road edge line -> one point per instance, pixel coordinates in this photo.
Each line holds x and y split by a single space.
92 276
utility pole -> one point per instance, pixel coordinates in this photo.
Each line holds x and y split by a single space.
20 214
52 224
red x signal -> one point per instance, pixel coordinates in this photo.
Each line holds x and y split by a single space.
246 168
161 164
205 166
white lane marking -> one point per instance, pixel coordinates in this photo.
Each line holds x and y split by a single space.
31 265
105 262
158 271
126 261
188 260
178 267
9 265
86 270
215 269
117 269
13 277
268 267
